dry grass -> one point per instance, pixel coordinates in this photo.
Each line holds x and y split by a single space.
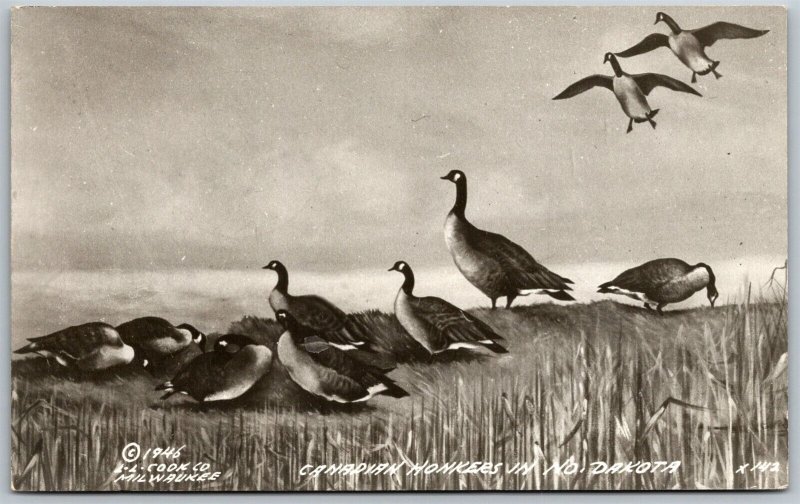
592 382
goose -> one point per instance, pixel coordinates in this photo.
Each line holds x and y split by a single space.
324 370
234 366
663 281
89 347
491 262
316 312
438 325
156 337
630 90
689 45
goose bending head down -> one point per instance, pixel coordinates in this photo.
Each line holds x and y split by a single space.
437 325
629 89
491 262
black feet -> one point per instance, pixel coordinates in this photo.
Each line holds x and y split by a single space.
509 300
694 78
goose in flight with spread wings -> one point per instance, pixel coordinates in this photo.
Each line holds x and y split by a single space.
630 90
689 45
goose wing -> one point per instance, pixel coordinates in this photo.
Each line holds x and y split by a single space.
586 84
75 342
649 43
325 317
707 35
199 375
141 330
449 324
649 275
341 375
522 270
648 81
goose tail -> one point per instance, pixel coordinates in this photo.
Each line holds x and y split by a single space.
393 389
29 348
561 295
495 347
605 288
653 113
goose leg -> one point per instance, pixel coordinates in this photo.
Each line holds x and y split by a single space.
509 300
647 305
494 303
630 125
652 123
660 308
716 74
694 77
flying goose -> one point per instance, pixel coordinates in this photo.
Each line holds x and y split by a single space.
689 45
438 325
326 371
156 337
231 369
663 281
317 313
90 347
491 262
630 90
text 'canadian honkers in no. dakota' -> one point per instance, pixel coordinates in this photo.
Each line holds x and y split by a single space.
567 467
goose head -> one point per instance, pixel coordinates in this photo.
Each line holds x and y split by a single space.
664 18
711 288
455 176
275 266
283 274
408 274
286 320
198 337
610 58
400 266
232 343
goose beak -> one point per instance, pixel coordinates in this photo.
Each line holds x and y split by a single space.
445 177
391 269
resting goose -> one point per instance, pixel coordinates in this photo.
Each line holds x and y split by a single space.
89 347
326 371
491 262
438 325
235 365
689 45
316 312
630 90
156 337
663 281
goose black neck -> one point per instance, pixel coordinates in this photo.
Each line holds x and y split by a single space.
461 201
283 279
672 25
615 66
408 283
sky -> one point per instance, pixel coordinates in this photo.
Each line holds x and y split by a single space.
156 138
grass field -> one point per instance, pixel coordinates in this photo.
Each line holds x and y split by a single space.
584 382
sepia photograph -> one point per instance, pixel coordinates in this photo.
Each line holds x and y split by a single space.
393 249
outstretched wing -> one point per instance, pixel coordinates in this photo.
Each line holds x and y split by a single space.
648 81
522 270
450 324
650 42
585 84
707 35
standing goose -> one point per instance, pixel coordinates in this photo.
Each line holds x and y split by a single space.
156 337
326 371
89 347
491 262
436 324
689 45
663 281
317 313
235 365
630 90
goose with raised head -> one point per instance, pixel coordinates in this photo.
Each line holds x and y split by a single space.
234 366
629 89
689 45
89 347
325 371
663 281
316 312
491 262
437 325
